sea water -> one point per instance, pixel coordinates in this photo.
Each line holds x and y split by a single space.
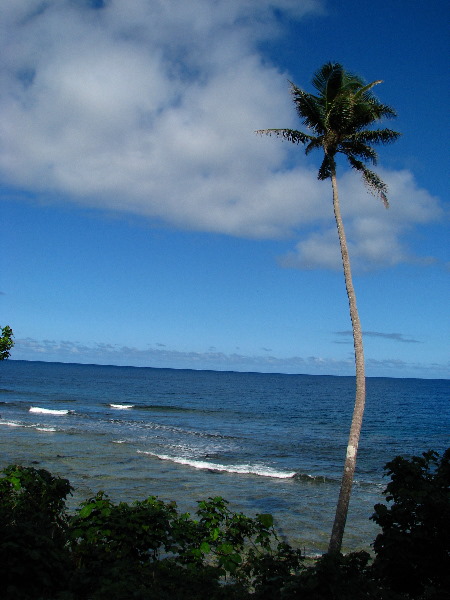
268 443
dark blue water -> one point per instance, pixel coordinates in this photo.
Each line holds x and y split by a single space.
266 442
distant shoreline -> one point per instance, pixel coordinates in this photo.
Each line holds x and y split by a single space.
265 373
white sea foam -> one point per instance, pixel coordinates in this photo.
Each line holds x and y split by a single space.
48 411
11 424
121 406
45 429
241 469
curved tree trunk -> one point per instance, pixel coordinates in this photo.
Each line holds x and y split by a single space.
358 411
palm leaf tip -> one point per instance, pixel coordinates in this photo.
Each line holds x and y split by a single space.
268 132
376 185
291 135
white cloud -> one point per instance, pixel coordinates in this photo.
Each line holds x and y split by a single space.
374 234
149 107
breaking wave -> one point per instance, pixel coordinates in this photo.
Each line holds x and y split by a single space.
49 411
262 471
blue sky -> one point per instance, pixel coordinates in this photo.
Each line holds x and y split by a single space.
144 223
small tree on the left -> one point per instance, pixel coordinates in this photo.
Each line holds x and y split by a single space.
6 342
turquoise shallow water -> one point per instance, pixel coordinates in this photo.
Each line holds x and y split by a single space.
266 442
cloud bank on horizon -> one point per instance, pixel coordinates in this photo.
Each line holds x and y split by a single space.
159 357
149 108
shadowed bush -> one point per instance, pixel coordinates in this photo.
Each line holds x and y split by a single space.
413 550
34 559
147 550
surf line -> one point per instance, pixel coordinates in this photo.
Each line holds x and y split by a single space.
239 469
49 411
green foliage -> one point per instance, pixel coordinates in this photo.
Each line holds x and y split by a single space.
6 342
337 118
247 549
149 541
33 533
413 550
335 577
148 550
116 547
103 530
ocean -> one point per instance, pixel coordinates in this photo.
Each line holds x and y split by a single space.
268 443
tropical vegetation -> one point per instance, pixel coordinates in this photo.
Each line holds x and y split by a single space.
338 118
148 550
6 342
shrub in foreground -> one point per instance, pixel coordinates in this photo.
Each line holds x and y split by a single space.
413 549
34 557
141 550
148 550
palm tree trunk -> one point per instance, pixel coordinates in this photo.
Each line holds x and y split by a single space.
358 411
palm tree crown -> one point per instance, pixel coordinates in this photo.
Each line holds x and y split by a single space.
338 117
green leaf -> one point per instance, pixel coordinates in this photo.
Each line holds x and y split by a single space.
15 483
266 520
225 548
86 511
205 548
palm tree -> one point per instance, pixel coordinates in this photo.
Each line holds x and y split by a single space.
337 118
